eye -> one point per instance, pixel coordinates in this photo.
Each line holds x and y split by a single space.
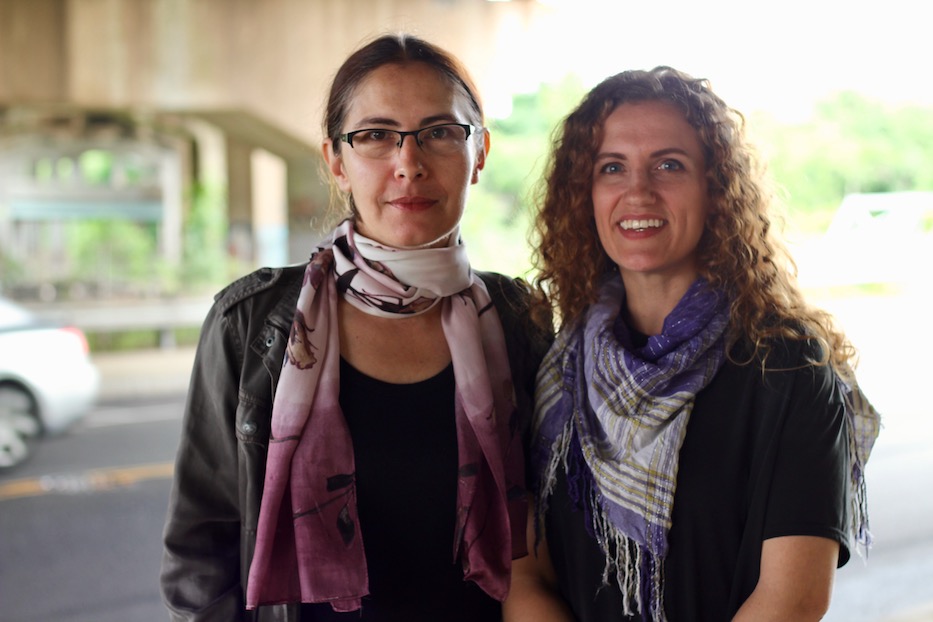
671 165
376 136
371 137
443 133
610 169
439 133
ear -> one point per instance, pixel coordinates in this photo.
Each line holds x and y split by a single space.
336 166
481 157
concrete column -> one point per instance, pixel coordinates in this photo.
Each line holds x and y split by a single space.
270 218
170 233
241 242
210 159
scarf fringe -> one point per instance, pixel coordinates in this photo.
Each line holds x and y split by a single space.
624 558
864 425
548 478
859 507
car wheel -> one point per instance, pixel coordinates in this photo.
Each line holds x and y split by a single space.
19 425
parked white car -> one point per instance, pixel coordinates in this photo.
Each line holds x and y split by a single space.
874 238
47 380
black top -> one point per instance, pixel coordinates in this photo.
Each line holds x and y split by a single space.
405 449
761 458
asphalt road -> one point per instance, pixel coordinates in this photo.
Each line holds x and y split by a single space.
80 523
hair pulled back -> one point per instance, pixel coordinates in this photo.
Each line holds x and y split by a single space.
398 49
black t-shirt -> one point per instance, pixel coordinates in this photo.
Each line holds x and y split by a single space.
405 449
763 457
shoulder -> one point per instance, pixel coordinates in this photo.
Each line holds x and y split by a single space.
779 354
272 283
788 374
526 339
517 303
514 292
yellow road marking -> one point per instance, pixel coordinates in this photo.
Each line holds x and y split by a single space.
89 481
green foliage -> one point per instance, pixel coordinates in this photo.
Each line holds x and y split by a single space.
495 232
205 239
112 251
96 166
521 142
851 144
114 341
499 215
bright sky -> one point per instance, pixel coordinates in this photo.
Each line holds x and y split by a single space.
776 56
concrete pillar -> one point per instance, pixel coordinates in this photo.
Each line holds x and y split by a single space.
240 239
270 218
210 159
170 233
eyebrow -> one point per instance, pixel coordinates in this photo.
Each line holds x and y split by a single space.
425 122
612 155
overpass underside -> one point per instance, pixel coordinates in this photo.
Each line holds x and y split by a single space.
144 111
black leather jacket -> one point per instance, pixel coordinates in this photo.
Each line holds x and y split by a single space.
213 511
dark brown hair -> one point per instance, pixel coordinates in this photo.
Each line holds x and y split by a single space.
385 50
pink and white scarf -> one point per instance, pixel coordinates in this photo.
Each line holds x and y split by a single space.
308 545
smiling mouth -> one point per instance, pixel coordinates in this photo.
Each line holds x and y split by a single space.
641 225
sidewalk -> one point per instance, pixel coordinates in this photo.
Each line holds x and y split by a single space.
144 373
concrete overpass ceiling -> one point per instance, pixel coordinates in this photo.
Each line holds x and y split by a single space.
273 58
251 130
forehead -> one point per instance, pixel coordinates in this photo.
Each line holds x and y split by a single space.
655 123
406 94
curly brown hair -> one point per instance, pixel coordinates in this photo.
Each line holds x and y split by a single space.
738 251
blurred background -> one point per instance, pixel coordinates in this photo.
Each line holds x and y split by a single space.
151 151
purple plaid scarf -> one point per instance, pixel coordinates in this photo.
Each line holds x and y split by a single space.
308 545
622 412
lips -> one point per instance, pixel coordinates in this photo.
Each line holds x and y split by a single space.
412 203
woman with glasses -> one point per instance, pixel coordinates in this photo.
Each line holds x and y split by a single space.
698 442
352 444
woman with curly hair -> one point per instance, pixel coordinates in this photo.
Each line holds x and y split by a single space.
699 439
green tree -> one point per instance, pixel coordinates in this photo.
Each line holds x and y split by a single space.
498 220
851 144
205 261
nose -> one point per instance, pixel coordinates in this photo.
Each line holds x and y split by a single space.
640 190
408 160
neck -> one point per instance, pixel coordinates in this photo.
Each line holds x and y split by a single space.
650 299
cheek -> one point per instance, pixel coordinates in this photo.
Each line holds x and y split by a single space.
604 226
361 176
467 170
604 201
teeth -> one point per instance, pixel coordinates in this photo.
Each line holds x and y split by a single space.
629 225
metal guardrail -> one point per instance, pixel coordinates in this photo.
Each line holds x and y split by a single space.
162 315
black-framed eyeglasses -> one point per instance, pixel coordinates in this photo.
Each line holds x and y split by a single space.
442 139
